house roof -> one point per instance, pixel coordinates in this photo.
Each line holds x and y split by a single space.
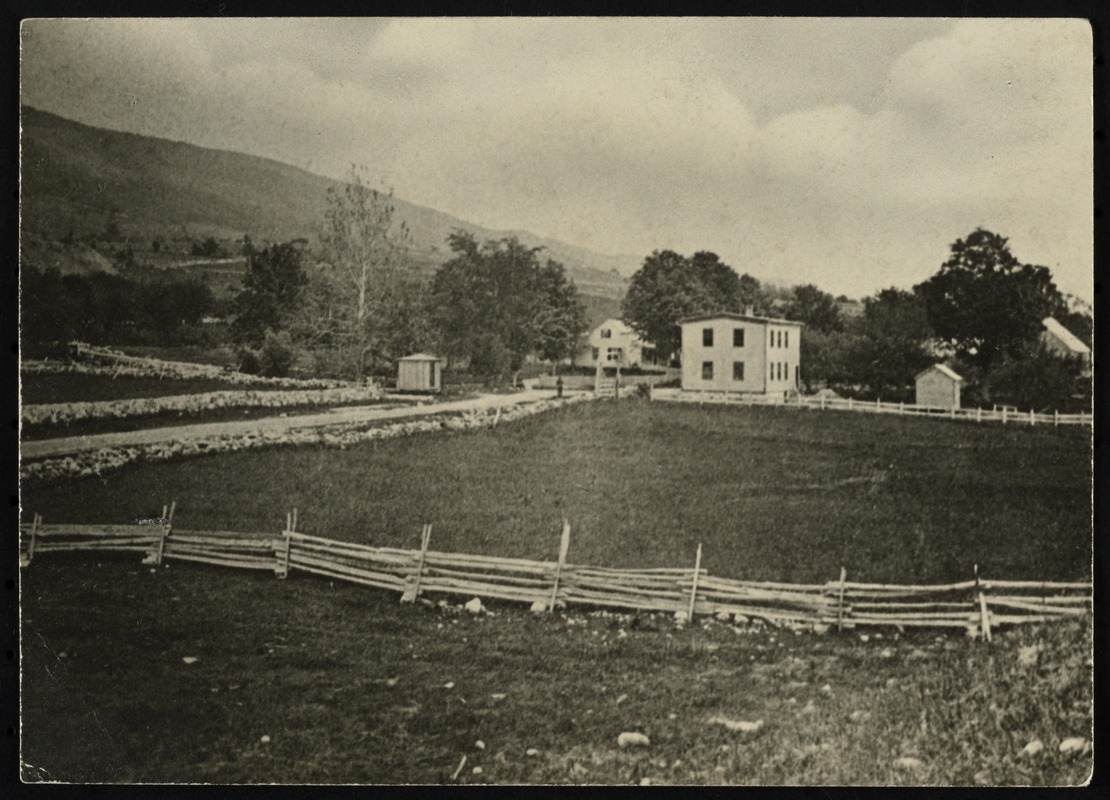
1069 339
942 369
421 357
739 318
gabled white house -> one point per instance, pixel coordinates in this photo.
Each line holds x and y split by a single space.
729 352
1059 340
612 343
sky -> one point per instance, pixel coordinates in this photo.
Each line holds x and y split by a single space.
848 153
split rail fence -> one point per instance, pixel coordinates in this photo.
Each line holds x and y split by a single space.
977 605
1001 414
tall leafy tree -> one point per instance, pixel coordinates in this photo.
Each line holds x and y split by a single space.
272 290
363 245
669 286
985 302
817 309
892 345
493 303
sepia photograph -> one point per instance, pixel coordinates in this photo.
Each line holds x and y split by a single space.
556 401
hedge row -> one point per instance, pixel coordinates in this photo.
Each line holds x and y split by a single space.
65 413
96 462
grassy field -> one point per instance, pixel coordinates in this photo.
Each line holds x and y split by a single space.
777 494
349 686
67 387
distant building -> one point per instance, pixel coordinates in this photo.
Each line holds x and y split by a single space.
1059 340
938 387
612 343
420 373
729 352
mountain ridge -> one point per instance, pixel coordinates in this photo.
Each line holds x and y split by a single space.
76 179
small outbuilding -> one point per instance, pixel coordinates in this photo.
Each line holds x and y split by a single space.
420 372
938 387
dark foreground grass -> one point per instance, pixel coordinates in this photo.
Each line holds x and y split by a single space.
775 494
75 387
349 686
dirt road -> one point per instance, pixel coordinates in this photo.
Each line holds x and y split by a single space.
74 444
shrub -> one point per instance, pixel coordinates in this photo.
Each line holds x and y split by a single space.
277 355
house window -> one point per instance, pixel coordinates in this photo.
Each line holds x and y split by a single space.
707 370
780 338
606 333
737 337
738 370
613 354
706 337
596 353
786 339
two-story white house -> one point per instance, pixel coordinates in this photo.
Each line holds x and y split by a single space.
727 352
613 343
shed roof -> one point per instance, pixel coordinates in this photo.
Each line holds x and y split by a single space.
739 318
421 357
942 369
1069 339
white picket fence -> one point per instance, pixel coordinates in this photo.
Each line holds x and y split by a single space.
1003 414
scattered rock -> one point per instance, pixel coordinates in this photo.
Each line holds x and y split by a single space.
476 771
645 781
983 778
891 683
886 652
632 739
539 607
531 752
265 740
809 708
449 685
497 696
743 726
908 763
826 689
859 716
723 616
1028 656
820 628
190 659
1032 748
474 606
863 637
480 744
680 617
1073 744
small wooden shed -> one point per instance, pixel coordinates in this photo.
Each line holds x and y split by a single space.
938 387
420 372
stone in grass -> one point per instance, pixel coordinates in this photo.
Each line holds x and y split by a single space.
474 606
820 628
265 740
680 617
190 659
633 739
476 771
1032 748
1027 656
539 607
531 752
1073 744
737 725
908 763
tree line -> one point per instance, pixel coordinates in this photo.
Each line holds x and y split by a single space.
981 312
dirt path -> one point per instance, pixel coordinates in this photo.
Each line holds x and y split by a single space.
74 444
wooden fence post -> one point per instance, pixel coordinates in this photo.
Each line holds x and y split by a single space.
564 545
901 408
849 403
984 616
878 404
290 525
979 414
167 525
35 522
840 601
1032 418
1003 415
425 537
822 402
1055 418
694 585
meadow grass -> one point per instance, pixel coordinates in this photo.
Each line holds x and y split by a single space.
350 686
771 493
76 387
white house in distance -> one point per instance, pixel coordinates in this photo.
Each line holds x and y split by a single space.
728 352
612 343
1059 340
420 372
938 387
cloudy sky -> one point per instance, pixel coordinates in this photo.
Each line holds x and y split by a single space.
847 153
